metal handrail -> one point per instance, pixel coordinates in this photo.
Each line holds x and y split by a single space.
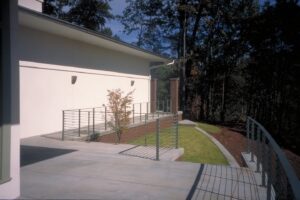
102 107
289 172
80 119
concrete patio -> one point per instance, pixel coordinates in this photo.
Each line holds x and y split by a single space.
53 169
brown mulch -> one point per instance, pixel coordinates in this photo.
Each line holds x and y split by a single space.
235 142
294 160
136 131
126 137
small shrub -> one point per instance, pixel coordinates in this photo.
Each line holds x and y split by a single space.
94 136
118 103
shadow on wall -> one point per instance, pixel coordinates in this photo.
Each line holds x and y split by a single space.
42 47
33 154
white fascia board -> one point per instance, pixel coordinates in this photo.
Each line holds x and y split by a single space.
50 25
72 69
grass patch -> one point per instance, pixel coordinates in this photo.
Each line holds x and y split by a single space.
209 127
197 147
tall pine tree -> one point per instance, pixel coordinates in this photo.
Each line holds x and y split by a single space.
90 14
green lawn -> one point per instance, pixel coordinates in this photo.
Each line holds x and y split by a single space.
197 147
209 128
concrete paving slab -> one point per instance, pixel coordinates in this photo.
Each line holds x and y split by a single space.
98 171
149 152
187 122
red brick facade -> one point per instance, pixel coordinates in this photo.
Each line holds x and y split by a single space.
153 95
174 90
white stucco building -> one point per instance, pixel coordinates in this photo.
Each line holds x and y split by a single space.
39 57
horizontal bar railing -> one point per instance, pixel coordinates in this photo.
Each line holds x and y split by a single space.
91 121
276 172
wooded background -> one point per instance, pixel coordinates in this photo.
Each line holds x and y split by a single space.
242 57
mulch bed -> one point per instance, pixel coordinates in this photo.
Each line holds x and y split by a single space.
136 132
235 142
125 138
294 160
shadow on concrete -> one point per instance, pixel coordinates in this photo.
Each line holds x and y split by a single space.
197 179
33 154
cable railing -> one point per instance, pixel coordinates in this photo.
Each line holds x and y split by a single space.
277 175
158 137
170 137
92 122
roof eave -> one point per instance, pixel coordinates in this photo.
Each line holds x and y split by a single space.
56 26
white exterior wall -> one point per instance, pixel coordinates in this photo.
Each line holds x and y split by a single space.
11 189
47 64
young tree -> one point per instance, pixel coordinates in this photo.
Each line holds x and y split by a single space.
118 104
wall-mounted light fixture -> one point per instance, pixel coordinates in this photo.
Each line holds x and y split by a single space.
73 80
132 83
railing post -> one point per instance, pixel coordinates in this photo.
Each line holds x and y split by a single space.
263 172
269 172
157 110
125 113
63 126
145 131
133 113
248 135
176 131
153 113
88 125
258 144
163 106
157 138
93 120
147 109
79 121
140 112
105 118
276 182
167 106
252 141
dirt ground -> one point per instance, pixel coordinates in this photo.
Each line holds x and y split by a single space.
236 142
136 131
233 141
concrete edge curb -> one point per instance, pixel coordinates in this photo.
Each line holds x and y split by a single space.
231 160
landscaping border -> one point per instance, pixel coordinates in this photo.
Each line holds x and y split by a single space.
231 160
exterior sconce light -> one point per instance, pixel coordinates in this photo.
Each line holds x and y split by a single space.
73 80
132 83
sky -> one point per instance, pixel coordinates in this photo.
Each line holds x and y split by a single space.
117 7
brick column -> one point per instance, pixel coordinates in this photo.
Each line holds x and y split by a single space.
153 95
174 94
